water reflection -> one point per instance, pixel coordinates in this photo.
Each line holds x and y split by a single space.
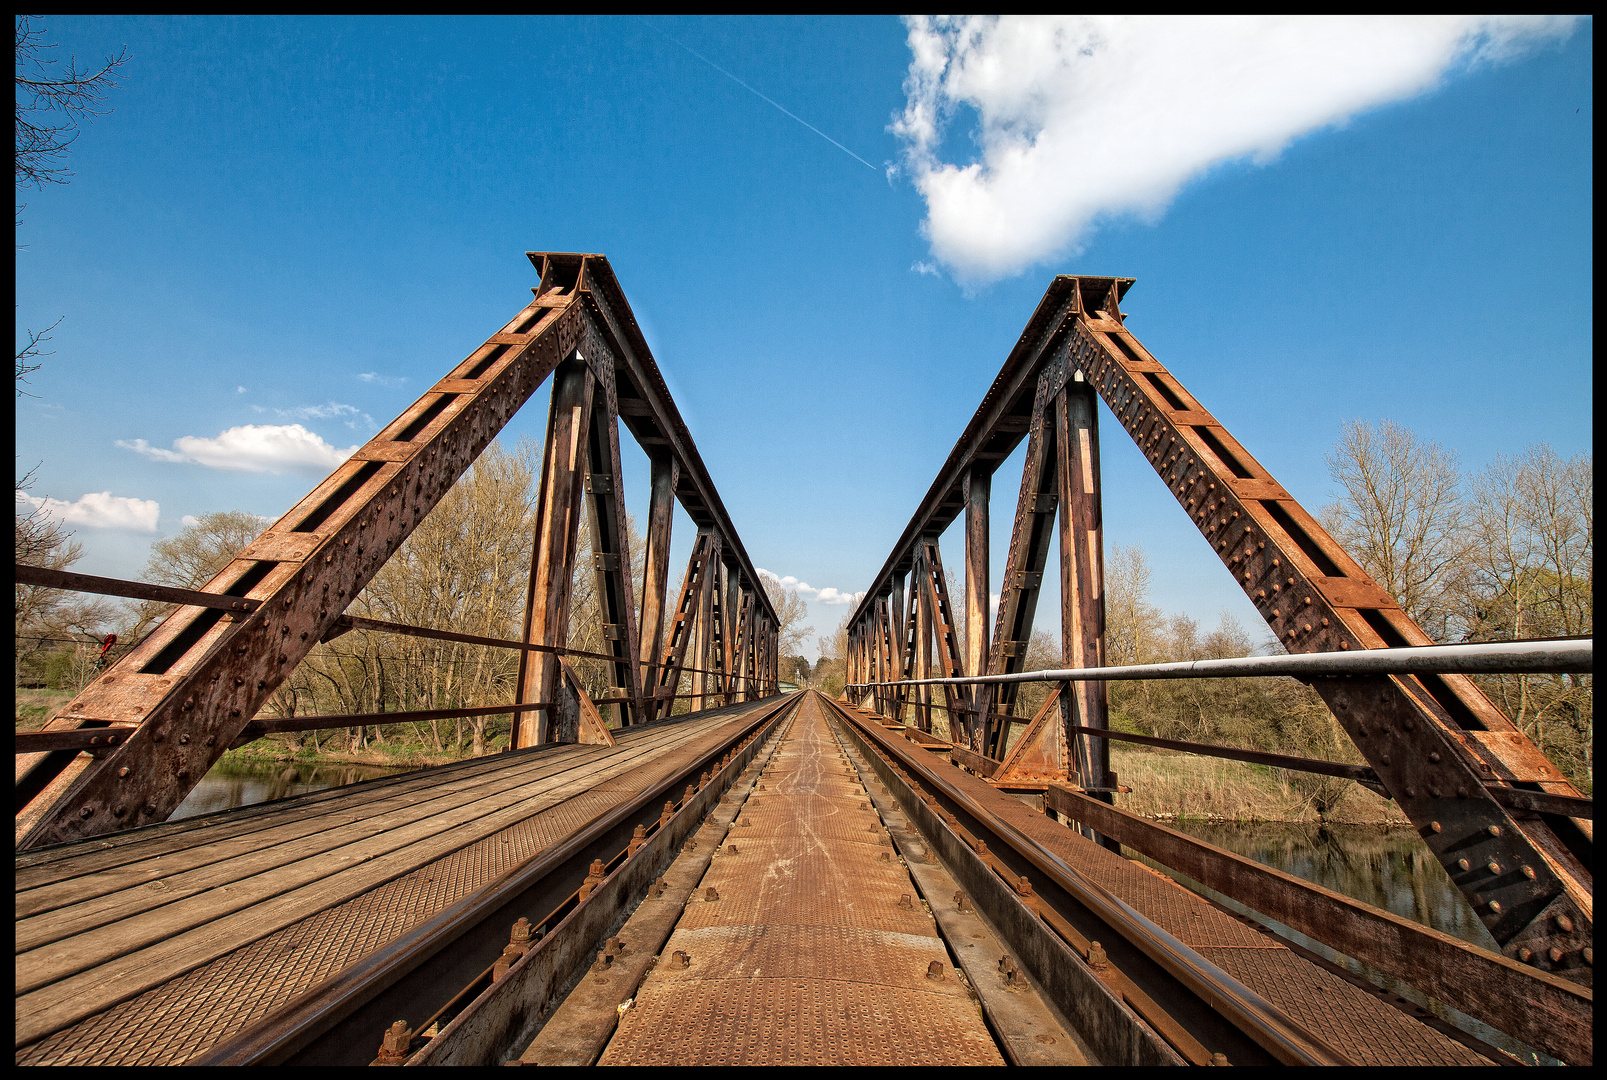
229 785
1387 868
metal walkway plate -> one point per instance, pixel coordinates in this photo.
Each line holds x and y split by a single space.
812 948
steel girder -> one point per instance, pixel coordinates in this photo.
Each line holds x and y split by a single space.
194 684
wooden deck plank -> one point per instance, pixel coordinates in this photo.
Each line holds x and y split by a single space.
125 891
68 860
112 979
323 822
396 850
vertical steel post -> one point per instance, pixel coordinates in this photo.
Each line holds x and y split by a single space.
1082 573
978 489
557 532
665 472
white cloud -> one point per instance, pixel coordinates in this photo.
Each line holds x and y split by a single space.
925 268
239 389
271 448
827 595
1088 117
376 377
329 411
101 510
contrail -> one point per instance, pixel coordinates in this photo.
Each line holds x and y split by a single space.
772 101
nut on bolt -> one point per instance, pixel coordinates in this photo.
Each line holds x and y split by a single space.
393 1047
679 959
934 971
593 879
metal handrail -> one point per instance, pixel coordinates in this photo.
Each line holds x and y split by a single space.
1484 658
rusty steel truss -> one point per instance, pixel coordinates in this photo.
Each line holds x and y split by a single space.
1447 755
193 687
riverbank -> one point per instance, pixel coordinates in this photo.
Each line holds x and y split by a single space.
382 755
1169 786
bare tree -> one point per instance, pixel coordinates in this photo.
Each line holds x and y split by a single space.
51 103
791 611
50 622
1401 517
1531 574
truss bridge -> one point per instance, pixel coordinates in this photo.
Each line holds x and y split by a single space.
694 867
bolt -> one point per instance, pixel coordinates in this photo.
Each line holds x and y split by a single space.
510 956
1096 956
732 850
711 894
658 887
604 960
393 1048
679 959
961 903
593 879
906 903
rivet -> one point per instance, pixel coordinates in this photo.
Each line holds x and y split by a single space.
1528 872
1495 906
1464 864
123 773
1435 757
1525 955
1434 825
1555 954
86 811
1565 924
1494 830
1493 867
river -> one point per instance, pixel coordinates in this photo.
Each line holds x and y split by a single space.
229 785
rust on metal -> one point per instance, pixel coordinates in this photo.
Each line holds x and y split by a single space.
815 952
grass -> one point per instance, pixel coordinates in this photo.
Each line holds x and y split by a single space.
1170 786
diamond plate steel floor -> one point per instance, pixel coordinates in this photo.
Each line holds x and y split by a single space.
807 943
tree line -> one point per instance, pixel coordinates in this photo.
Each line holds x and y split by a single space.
465 569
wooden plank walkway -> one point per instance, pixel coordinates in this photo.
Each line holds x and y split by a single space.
154 945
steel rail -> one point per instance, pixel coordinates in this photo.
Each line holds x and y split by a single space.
300 1022
46 578
1485 658
1260 1020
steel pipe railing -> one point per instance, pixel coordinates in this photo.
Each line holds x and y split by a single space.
1566 655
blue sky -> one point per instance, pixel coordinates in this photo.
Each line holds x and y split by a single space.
308 221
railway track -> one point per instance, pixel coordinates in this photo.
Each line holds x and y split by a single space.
1193 973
